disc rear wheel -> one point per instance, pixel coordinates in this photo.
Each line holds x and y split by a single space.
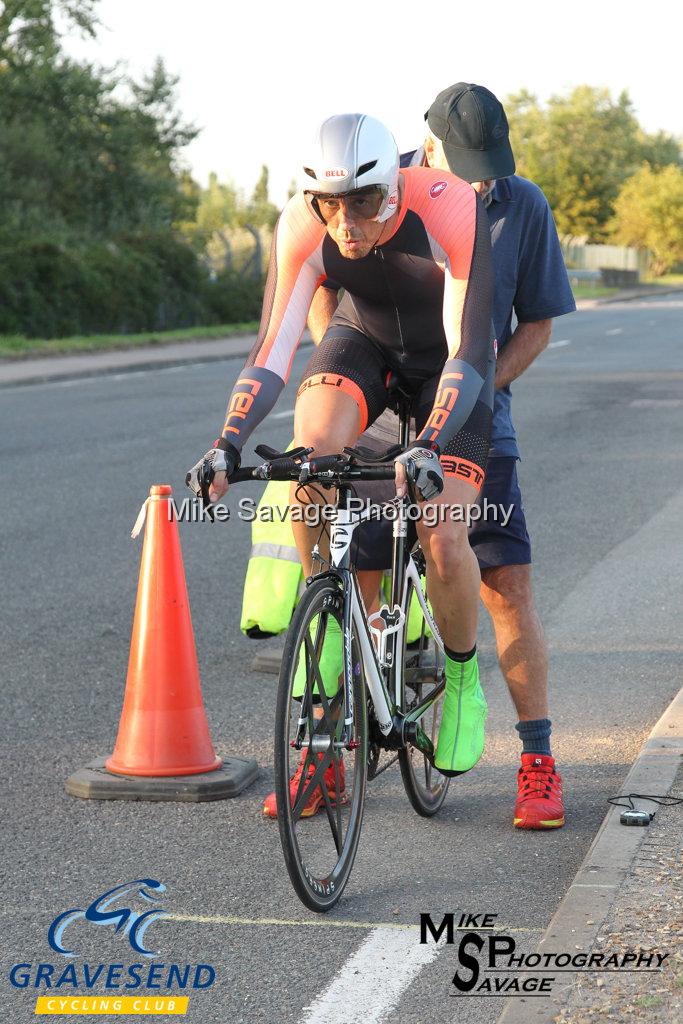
423 669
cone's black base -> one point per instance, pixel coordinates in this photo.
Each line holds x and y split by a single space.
268 660
94 782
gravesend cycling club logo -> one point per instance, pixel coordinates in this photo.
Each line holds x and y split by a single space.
126 912
437 188
490 964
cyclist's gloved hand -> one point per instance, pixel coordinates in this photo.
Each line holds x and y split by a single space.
421 470
208 478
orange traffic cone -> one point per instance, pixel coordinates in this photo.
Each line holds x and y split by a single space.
163 730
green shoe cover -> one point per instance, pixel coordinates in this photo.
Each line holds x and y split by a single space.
461 734
331 660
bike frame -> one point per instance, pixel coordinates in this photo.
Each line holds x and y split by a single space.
383 670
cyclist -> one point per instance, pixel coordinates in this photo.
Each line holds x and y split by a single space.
468 135
411 249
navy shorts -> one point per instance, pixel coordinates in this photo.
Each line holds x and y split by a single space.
493 543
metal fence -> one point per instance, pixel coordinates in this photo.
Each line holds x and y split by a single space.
593 257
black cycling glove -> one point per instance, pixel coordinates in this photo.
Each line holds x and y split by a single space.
223 457
423 470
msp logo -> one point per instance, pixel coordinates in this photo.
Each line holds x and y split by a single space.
437 188
125 920
491 965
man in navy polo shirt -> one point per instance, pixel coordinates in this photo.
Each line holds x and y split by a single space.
468 135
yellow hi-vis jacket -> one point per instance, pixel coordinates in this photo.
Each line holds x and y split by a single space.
274 581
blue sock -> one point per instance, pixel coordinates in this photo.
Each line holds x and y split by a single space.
535 736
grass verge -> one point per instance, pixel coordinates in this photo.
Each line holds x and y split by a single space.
19 347
592 291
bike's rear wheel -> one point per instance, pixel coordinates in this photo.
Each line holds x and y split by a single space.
319 848
423 668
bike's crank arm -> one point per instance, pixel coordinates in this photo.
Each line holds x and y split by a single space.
415 734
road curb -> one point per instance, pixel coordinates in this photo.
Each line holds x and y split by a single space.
627 296
640 294
49 369
577 921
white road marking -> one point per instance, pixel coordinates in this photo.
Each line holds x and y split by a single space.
373 978
315 922
614 330
641 304
561 343
275 922
281 415
656 403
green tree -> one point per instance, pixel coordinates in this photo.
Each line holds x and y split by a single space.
83 151
580 149
260 212
218 205
91 186
660 150
28 28
648 213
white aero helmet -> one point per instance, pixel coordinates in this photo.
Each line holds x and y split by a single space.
354 152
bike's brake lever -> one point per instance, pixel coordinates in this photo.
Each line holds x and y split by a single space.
206 500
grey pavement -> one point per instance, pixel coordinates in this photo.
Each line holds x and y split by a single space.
647 915
119 360
599 418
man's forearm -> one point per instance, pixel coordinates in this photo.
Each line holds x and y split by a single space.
323 306
527 342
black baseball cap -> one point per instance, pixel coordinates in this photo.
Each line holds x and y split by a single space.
471 123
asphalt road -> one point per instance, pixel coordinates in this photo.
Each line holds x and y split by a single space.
600 421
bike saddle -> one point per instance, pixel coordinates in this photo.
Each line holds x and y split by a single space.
400 396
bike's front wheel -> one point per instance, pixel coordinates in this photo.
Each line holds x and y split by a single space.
320 748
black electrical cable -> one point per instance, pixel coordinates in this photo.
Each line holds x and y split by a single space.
663 801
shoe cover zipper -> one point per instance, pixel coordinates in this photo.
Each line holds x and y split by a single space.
457 728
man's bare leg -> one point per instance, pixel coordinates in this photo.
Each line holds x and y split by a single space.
520 642
370 580
453 577
523 658
453 582
326 420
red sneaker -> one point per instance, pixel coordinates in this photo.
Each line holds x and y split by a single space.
316 800
539 794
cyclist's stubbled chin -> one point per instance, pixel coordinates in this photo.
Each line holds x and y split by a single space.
353 248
